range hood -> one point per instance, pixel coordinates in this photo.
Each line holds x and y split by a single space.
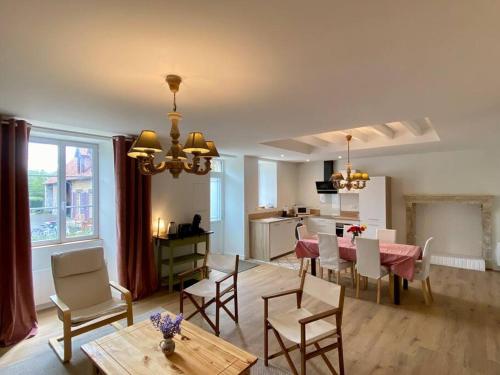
326 186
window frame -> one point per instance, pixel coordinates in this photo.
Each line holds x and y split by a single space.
61 187
220 176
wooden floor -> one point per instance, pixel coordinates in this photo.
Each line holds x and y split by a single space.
458 334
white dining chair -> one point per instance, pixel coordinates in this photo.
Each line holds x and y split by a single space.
302 234
386 235
422 273
368 263
346 228
330 257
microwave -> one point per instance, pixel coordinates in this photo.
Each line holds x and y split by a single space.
302 210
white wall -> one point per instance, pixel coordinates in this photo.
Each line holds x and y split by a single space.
287 189
234 206
453 172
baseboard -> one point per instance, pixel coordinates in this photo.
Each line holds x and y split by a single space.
459 261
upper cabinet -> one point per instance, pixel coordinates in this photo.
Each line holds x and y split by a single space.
375 205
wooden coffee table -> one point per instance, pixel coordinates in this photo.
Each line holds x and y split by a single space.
135 350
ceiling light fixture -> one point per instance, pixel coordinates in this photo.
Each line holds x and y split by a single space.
352 180
176 160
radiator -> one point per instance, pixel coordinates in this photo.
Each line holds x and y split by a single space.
459 261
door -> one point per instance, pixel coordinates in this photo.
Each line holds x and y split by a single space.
217 206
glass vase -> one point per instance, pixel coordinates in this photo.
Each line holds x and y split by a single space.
167 345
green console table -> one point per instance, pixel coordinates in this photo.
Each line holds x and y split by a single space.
165 245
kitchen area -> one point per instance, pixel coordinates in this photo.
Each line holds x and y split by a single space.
272 233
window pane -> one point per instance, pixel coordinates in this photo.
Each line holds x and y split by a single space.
78 191
79 221
215 199
268 184
43 191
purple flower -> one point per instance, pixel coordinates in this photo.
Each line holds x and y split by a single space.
166 325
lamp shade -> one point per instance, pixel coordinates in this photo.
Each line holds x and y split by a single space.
182 154
196 143
147 142
134 153
213 153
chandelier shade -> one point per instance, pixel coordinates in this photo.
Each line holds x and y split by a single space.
133 153
196 143
213 153
147 142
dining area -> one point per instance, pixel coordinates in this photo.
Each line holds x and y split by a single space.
362 258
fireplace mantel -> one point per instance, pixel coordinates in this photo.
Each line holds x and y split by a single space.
485 201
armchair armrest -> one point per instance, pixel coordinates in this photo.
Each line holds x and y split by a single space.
319 316
60 305
281 294
124 291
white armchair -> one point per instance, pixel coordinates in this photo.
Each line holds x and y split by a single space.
83 296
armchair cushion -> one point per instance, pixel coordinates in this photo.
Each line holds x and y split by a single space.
288 326
111 306
81 278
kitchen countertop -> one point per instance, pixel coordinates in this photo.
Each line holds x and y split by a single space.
269 220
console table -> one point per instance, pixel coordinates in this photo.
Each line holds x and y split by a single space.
170 245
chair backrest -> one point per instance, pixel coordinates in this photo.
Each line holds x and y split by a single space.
322 290
426 257
81 277
222 262
328 248
302 232
386 235
346 228
368 257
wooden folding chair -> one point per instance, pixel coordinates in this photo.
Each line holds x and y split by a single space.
305 329
213 289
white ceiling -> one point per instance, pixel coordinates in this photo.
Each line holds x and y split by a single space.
256 71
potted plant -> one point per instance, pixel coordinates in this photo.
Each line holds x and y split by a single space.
356 230
169 328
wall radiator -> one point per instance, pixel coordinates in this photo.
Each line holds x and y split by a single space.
459 261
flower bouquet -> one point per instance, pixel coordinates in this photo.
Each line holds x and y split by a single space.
356 230
169 328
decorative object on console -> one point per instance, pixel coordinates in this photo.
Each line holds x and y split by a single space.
147 145
160 227
169 328
356 230
352 180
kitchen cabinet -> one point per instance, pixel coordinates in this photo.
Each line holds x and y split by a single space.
375 205
272 237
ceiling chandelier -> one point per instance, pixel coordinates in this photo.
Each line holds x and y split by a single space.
176 160
352 180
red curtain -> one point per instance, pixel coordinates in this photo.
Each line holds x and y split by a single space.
136 265
17 306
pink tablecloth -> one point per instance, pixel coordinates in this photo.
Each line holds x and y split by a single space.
399 258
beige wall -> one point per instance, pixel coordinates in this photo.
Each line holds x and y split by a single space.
454 172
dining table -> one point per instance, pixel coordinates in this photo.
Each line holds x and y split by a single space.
400 259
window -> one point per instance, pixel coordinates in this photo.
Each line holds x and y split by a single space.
216 198
62 181
268 184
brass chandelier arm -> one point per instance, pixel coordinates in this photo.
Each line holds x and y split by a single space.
194 166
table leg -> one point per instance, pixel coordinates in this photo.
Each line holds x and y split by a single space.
396 290
313 266
405 284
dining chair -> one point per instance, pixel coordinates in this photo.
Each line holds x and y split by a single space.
83 296
305 329
330 257
422 272
302 233
368 263
386 235
345 230
213 289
